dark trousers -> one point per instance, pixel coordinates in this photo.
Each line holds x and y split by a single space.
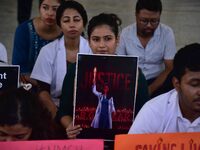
167 85
24 8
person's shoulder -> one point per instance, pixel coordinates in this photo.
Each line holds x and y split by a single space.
24 25
154 114
22 30
53 43
2 47
162 101
128 28
3 53
83 41
84 46
165 28
52 46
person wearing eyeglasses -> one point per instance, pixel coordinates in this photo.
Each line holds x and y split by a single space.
152 41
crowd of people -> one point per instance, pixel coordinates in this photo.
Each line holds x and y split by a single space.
46 48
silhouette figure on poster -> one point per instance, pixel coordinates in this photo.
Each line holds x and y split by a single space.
105 107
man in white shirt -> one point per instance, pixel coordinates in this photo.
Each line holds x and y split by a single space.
179 109
152 41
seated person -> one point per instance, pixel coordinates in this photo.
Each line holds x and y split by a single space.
57 57
24 117
103 39
179 109
32 35
152 41
3 54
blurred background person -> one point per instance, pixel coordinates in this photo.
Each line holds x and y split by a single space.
24 117
32 35
57 57
24 8
153 42
3 54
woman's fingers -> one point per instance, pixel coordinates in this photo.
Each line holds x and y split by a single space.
73 131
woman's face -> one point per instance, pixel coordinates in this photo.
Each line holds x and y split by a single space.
71 23
103 40
16 132
48 11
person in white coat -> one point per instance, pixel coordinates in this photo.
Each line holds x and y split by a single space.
56 57
179 109
3 54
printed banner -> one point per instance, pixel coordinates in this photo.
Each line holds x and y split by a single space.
164 141
9 76
53 145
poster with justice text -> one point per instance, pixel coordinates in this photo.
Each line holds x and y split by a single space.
105 92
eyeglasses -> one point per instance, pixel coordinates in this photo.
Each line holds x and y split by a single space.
153 22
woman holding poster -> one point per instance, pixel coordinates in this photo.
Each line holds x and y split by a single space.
103 37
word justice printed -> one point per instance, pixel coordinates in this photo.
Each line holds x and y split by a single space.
3 76
116 80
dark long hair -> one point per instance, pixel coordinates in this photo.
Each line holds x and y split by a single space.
24 107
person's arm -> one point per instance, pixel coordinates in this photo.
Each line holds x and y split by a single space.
21 50
65 111
25 78
66 100
94 88
142 94
66 120
43 73
45 97
162 77
112 104
168 55
20 55
94 75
